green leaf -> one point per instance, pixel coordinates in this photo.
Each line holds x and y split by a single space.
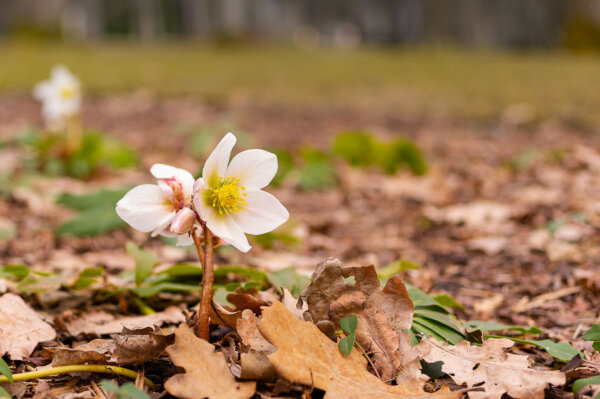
183 270
14 271
418 327
422 300
357 148
250 273
99 199
347 343
86 277
349 324
97 216
316 173
130 391
92 223
4 394
144 261
596 346
36 284
473 325
148 291
290 279
285 165
5 370
583 382
593 334
440 329
442 318
393 268
559 350
447 301
220 296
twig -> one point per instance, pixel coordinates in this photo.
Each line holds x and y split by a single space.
92 368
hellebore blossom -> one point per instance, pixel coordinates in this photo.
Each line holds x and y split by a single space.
60 97
163 208
229 198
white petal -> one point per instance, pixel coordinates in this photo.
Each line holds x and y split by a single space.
163 224
254 168
261 214
61 74
143 208
42 91
184 240
162 171
216 164
221 225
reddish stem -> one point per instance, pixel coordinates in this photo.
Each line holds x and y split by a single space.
208 277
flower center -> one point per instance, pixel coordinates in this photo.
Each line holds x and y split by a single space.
227 195
174 191
67 92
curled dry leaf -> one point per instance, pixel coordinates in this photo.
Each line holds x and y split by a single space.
306 356
21 329
382 314
490 368
222 316
254 363
206 372
247 328
131 347
245 300
101 323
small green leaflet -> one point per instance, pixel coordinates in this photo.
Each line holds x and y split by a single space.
349 325
5 370
4 394
473 325
126 391
290 279
144 262
593 334
97 213
583 382
559 350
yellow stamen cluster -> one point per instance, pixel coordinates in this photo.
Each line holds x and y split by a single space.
67 92
227 195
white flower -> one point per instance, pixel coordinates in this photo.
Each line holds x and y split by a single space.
60 96
229 198
162 208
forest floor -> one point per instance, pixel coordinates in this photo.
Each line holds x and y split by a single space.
506 220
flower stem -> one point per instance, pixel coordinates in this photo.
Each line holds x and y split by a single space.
94 368
208 277
74 134
198 246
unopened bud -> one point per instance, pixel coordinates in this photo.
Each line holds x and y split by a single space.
183 221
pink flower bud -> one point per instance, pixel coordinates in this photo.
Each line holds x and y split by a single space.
183 221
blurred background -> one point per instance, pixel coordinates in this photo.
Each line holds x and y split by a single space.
441 138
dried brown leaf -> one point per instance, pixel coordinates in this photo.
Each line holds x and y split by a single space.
206 372
130 347
306 356
98 351
222 316
490 368
21 329
382 314
101 323
247 328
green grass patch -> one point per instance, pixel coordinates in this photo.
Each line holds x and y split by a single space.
421 81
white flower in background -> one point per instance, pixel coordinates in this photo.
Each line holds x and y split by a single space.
163 208
60 96
229 198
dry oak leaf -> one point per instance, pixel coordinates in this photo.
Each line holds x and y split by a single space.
490 368
382 314
306 356
21 329
100 323
206 372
